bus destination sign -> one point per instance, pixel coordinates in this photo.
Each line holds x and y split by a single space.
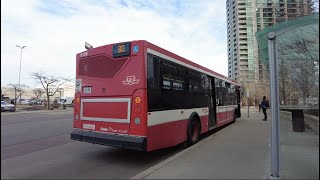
123 49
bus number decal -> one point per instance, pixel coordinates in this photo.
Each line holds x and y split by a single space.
121 49
84 54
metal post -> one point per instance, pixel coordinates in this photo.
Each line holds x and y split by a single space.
274 91
20 67
59 98
21 47
248 106
248 101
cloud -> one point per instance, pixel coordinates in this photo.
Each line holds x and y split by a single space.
55 32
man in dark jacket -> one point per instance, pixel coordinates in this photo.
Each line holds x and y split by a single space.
264 105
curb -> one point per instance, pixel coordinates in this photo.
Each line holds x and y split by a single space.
158 166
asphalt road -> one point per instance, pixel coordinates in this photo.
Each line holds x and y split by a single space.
37 145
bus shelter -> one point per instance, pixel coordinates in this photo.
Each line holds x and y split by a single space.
290 51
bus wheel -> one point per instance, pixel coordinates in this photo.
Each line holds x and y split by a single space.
193 132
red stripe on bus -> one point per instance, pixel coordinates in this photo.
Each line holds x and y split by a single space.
167 134
171 133
204 123
225 117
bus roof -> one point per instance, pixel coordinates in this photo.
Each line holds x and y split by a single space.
156 50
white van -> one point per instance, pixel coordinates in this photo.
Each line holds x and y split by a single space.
67 101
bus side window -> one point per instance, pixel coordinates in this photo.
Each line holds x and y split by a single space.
221 92
233 94
153 72
196 82
150 72
165 75
156 69
172 76
228 94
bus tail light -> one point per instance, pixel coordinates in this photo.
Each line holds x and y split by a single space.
138 119
137 99
77 104
137 109
77 108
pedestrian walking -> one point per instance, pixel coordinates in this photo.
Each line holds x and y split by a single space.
264 105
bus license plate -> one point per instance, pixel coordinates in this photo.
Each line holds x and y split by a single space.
86 90
89 126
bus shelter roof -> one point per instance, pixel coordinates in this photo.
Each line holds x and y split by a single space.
304 26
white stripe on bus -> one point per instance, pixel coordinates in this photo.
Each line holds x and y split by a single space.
225 108
161 117
185 64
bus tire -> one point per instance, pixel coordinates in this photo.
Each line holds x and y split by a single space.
193 131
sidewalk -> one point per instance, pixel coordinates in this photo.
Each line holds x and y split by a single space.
299 151
242 151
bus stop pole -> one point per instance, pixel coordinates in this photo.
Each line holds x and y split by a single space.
274 92
248 101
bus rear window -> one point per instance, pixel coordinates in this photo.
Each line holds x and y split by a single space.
100 66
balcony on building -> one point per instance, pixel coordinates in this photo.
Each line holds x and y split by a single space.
242 10
243 47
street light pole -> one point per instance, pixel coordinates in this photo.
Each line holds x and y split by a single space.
21 48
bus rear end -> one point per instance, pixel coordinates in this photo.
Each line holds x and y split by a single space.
110 106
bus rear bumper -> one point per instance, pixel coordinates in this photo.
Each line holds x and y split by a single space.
130 142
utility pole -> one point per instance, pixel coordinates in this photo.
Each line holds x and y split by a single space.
21 48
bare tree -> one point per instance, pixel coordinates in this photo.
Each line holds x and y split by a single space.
38 92
18 91
256 89
49 83
315 6
285 83
299 62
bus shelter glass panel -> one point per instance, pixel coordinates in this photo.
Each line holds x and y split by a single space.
297 61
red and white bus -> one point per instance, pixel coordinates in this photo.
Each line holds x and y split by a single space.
137 95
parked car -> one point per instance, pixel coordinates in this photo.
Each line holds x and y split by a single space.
7 107
25 101
35 102
68 101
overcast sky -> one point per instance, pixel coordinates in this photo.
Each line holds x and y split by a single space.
55 30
